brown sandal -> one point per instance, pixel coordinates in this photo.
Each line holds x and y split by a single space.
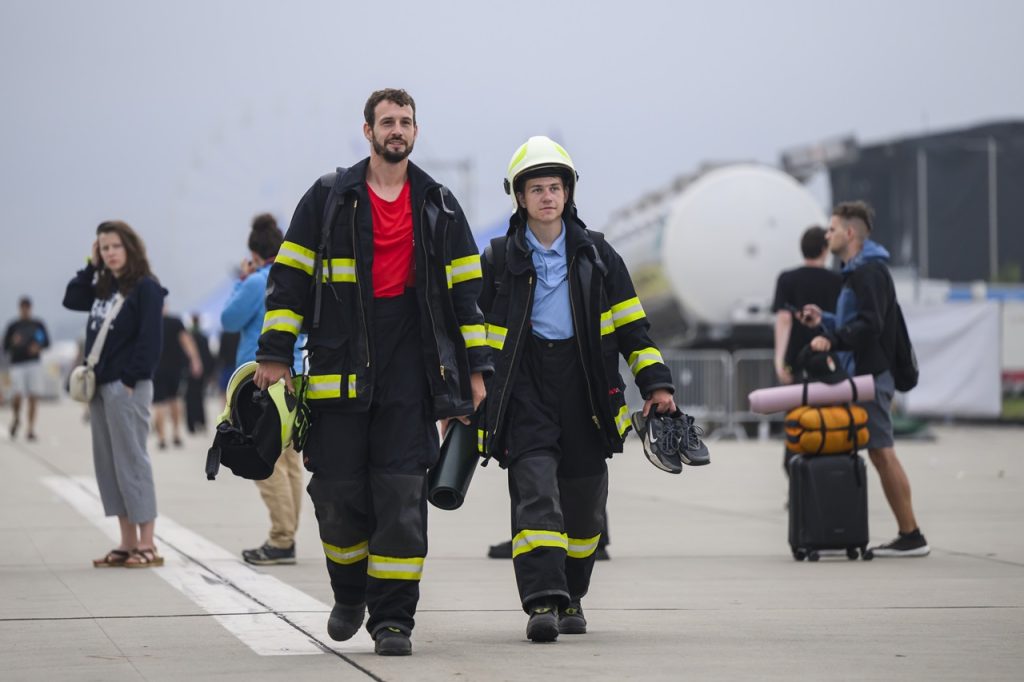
144 558
115 557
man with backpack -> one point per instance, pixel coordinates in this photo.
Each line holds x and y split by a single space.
868 333
380 266
560 308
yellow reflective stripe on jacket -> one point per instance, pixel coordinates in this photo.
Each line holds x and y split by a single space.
607 326
480 433
582 548
341 270
622 420
394 568
529 540
347 555
464 269
474 334
282 320
644 357
327 386
496 336
628 311
295 256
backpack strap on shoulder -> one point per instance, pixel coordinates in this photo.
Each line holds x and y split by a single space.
331 208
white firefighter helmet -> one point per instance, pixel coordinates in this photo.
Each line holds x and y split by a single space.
534 157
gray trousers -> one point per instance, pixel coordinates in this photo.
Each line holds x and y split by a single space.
120 425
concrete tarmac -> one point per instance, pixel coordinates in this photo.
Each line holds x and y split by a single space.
701 585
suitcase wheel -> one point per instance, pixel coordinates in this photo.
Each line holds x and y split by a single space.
851 553
799 554
813 555
866 554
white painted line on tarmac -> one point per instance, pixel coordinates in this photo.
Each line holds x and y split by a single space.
219 583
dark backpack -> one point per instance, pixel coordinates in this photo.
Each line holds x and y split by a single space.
901 356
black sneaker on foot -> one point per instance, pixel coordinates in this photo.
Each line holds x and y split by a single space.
502 550
344 621
543 624
391 641
905 545
14 428
266 555
571 620
602 554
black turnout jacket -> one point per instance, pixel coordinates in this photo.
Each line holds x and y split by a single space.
341 351
608 320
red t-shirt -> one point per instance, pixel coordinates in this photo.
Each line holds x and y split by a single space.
392 244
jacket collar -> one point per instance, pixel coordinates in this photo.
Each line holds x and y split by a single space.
518 255
354 180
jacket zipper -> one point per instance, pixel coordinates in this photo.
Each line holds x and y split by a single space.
515 351
426 280
358 285
579 347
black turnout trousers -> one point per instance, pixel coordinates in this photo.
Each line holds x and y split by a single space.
557 474
369 477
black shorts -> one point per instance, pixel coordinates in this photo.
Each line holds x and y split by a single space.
167 385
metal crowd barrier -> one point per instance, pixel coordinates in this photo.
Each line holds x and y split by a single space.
752 369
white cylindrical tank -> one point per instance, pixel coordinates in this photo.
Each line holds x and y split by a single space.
705 252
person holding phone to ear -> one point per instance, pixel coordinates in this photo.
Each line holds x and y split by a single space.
118 273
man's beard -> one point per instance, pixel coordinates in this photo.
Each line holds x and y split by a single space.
391 156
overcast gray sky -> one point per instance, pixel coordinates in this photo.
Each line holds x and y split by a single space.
186 118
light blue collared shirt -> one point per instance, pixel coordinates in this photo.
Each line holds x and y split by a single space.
552 315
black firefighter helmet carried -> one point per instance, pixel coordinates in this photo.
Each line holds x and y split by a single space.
254 427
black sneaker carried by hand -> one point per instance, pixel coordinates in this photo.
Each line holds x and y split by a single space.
543 623
389 641
671 440
910 544
267 555
692 449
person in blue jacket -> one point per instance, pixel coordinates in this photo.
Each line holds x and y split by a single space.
119 411
244 313
860 332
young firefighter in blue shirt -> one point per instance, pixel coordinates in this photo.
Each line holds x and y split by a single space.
400 343
558 314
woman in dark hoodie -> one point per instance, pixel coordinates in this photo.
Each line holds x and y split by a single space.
119 411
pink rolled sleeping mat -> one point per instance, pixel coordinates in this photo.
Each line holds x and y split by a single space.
780 398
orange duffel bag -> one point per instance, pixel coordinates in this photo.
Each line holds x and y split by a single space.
826 430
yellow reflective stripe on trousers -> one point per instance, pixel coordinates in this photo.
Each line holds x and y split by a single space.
464 269
627 311
496 336
607 326
644 358
394 568
582 548
622 420
346 555
529 540
341 270
474 334
295 256
282 320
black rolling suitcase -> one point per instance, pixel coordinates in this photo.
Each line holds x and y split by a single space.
828 505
